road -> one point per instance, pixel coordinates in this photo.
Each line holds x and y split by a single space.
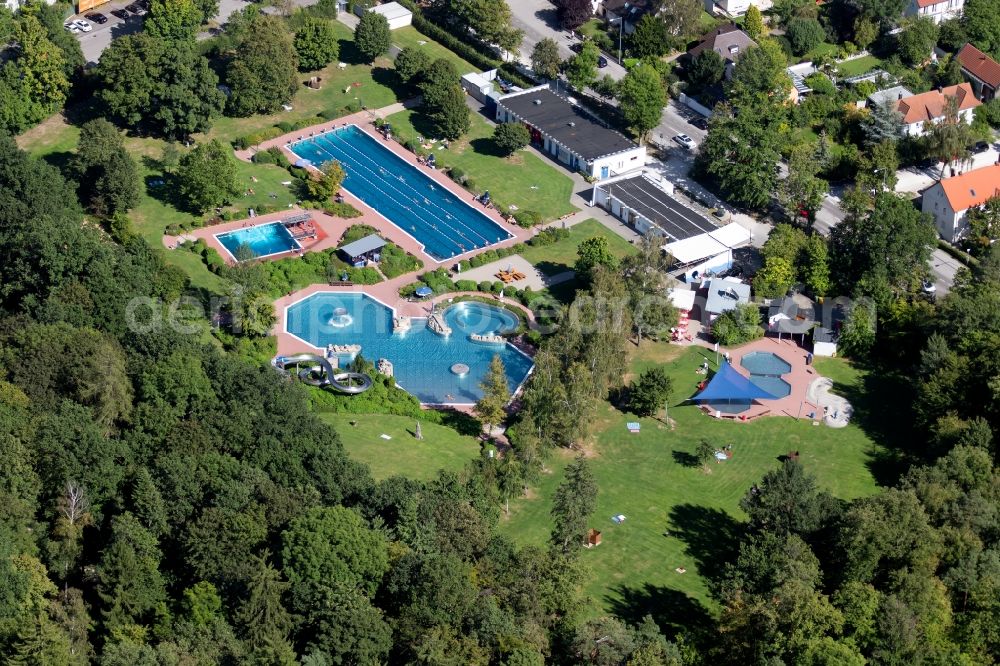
539 19
94 42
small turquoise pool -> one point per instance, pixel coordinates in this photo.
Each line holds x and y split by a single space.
765 363
422 360
265 240
776 386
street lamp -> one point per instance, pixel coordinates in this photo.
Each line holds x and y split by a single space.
621 22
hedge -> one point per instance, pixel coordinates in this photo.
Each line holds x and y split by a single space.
343 210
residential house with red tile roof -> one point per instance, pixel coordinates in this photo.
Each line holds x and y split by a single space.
936 10
929 107
982 71
950 199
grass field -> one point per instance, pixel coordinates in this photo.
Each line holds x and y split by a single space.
441 448
677 514
858 66
523 179
409 36
560 257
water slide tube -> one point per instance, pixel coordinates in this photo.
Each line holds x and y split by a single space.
320 372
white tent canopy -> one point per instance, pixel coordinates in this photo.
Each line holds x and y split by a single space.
703 246
681 298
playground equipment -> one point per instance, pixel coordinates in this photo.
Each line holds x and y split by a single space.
318 371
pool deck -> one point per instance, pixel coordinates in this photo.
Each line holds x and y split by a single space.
796 404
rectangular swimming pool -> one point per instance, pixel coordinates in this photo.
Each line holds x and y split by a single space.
264 240
445 225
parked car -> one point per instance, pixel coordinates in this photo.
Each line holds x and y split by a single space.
136 9
700 122
685 141
83 25
98 18
602 62
120 13
72 27
576 47
980 147
928 287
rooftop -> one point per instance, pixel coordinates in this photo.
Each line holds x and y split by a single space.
725 294
893 95
980 65
391 10
972 188
931 105
652 202
569 125
728 41
364 245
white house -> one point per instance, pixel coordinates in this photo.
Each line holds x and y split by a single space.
570 134
950 199
936 10
930 107
396 14
735 7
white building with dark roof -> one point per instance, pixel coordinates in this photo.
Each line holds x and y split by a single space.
571 135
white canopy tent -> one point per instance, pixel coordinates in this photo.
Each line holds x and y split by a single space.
704 246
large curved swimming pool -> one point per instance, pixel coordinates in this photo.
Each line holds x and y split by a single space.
422 360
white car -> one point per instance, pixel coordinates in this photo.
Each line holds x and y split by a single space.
83 25
685 141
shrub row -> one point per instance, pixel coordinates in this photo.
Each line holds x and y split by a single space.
342 210
272 155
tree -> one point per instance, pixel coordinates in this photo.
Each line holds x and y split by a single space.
741 153
877 169
593 252
262 73
804 34
787 501
511 137
166 88
753 23
411 63
775 278
706 69
739 325
452 118
642 99
40 66
207 176
815 267
681 16
705 451
981 19
865 31
857 336
173 20
984 227
545 58
759 73
73 516
510 478
328 545
650 392
917 39
108 175
316 44
606 87
801 192
324 184
572 504
644 277
574 13
261 615
581 69
130 584
880 11
491 409
884 122
440 77
372 37
348 628
649 38
948 139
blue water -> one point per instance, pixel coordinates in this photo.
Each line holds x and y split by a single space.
765 363
264 240
421 359
437 219
776 386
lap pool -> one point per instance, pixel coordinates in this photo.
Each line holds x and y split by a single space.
422 360
440 221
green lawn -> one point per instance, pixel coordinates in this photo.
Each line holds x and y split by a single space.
649 477
523 179
560 257
441 448
410 36
858 66
821 49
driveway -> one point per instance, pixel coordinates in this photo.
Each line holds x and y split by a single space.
539 19
676 119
